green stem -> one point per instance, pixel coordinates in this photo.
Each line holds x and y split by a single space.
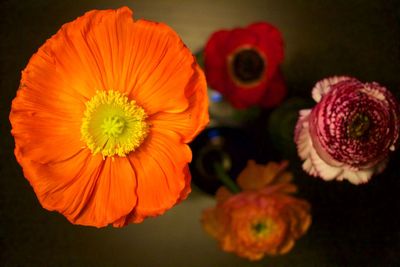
225 179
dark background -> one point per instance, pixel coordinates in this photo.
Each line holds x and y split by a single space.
352 225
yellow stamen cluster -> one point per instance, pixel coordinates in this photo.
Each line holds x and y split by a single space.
113 125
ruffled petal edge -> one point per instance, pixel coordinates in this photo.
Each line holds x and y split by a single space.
322 87
315 166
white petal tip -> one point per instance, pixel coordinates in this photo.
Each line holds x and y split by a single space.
322 87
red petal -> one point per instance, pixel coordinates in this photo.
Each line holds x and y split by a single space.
275 93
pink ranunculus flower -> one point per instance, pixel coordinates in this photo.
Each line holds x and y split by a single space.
350 132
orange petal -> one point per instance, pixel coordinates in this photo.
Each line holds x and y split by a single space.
115 194
91 52
162 176
285 177
107 50
255 176
69 62
286 246
222 194
252 177
85 189
210 223
299 215
163 66
187 189
43 132
63 74
191 121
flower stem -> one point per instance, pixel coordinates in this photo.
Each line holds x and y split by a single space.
225 179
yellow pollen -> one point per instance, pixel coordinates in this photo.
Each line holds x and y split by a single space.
113 125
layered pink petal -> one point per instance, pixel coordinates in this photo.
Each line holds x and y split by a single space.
330 137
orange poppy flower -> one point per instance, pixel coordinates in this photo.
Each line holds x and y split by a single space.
261 220
102 119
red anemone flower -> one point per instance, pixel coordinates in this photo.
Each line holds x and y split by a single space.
243 65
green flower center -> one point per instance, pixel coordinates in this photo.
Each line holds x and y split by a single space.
263 228
259 227
359 126
247 66
113 125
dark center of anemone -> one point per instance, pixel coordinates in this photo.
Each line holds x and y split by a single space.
248 65
259 227
359 126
